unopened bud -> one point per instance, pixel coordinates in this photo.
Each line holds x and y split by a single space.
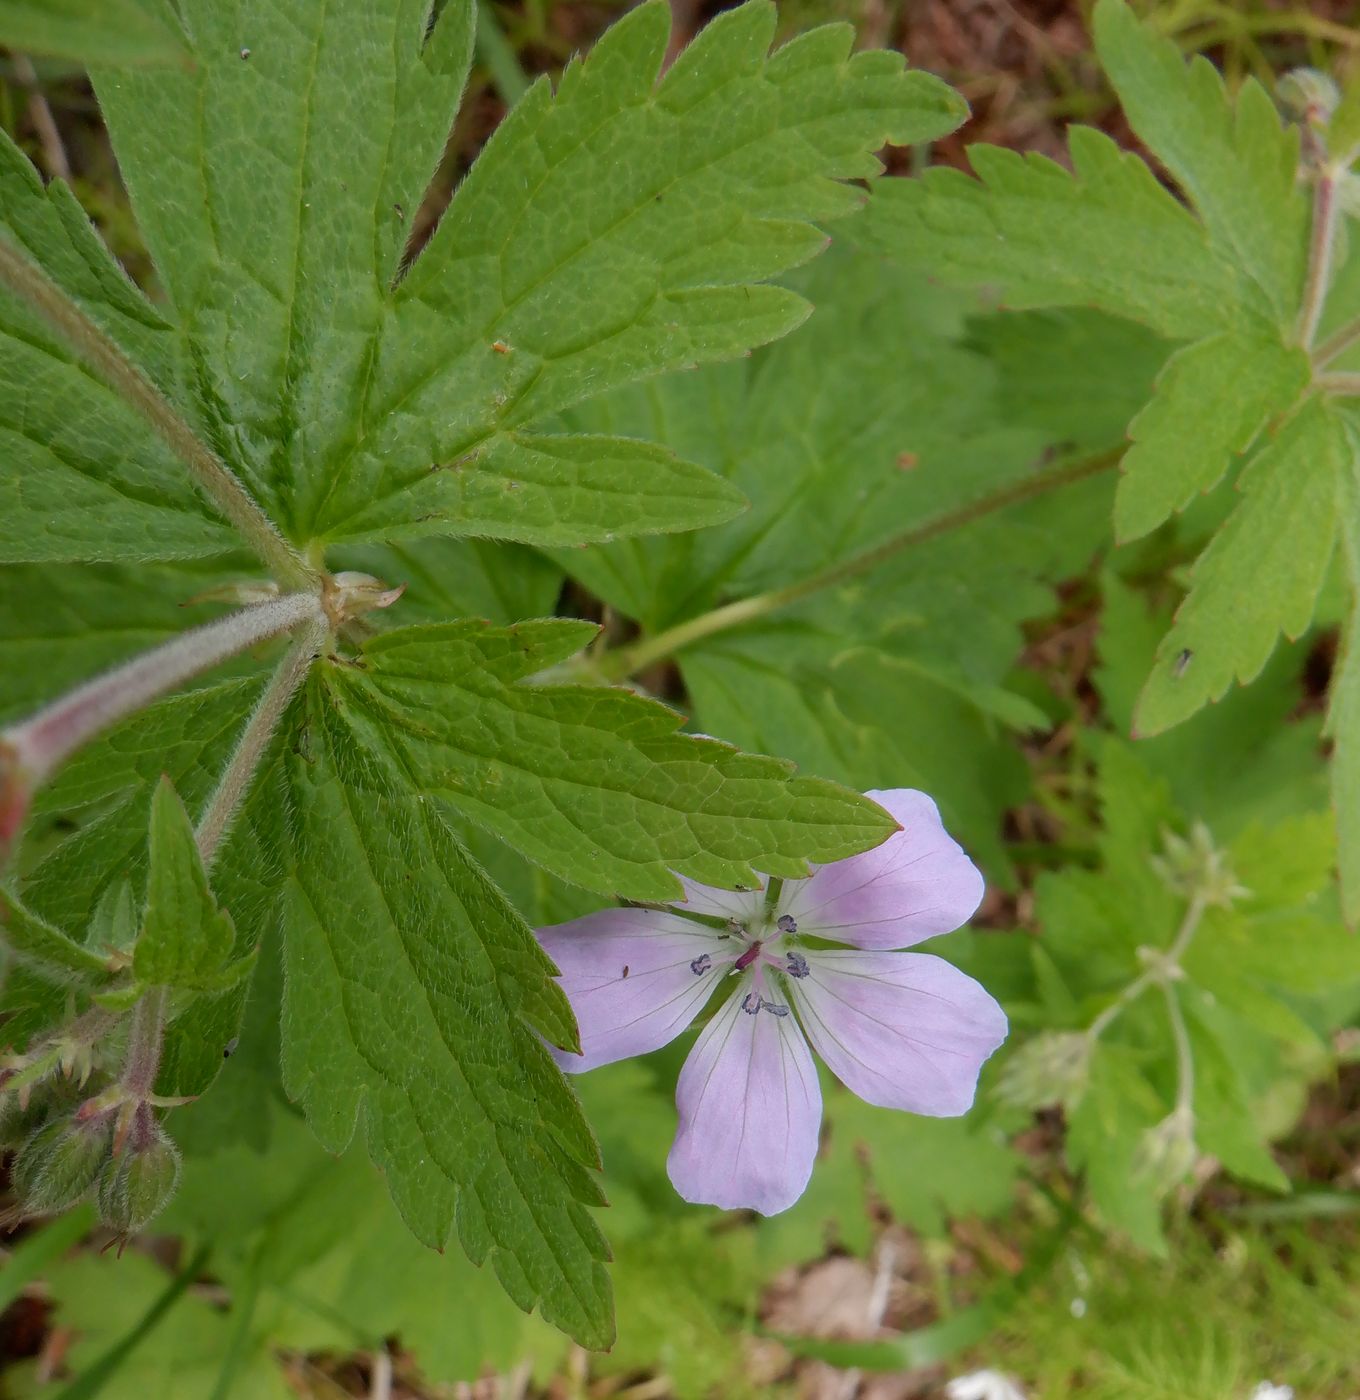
24 1110
1308 95
58 1165
1195 868
1167 1153
1051 1068
135 1186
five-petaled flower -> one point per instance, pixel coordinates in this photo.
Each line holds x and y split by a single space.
902 1030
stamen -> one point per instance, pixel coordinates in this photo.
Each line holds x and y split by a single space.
751 1003
797 965
786 923
701 964
773 1009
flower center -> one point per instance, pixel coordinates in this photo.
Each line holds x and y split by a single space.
762 937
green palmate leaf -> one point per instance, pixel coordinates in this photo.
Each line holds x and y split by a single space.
413 992
85 478
335 394
1107 235
185 939
871 420
714 168
594 784
45 948
1212 401
1078 376
1238 163
275 183
93 31
1261 574
567 490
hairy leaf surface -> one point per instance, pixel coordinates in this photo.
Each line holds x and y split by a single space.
594 784
1259 577
1212 400
413 992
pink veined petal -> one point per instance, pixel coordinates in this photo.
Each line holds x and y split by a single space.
917 884
901 1030
750 1112
629 975
727 904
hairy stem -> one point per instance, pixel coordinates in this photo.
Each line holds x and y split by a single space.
1347 385
212 476
1167 967
40 114
1337 343
1320 249
250 748
629 660
35 748
1185 1059
145 1038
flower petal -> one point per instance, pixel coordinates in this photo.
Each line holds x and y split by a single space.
901 1030
727 904
917 884
629 975
750 1112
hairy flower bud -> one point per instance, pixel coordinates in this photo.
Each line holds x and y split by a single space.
1167 1153
1195 868
23 1112
59 1163
135 1186
1050 1068
1308 95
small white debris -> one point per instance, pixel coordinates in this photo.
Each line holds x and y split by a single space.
983 1385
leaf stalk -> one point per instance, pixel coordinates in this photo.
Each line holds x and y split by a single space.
250 748
648 651
31 752
212 476
1321 248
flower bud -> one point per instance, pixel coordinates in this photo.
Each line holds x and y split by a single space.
23 1112
1167 1153
1308 95
58 1164
137 1185
1196 869
1050 1068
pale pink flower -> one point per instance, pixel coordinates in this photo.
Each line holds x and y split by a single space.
902 1030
